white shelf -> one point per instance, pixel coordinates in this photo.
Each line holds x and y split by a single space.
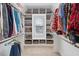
48 20
28 26
38 45
28 14
47 27
39 39
28 33
49 14
48 32
49 39
68 41
7 39
67 49
28 20
27 39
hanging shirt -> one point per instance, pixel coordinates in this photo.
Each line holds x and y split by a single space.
14 24
59 24
10 20
62 15
54 23
20 21
17 20
71 21
15 50
5 21
69 13
76 25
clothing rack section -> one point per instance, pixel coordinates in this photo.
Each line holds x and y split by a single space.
12 46
12 21
10 39
20 7
68 41
66 20
28 26
11 29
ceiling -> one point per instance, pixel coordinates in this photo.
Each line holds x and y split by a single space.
41 5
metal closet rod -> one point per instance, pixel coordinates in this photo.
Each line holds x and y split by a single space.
13 40
15 8
9 42
10 38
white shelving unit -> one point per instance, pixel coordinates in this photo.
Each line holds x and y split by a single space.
64 46
19 36
28 27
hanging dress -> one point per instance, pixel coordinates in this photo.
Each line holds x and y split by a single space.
10 20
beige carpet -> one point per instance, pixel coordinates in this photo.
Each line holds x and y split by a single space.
39 51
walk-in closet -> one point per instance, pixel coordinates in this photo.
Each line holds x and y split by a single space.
39 29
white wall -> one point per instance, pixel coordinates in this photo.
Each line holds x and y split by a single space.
38 5
54 6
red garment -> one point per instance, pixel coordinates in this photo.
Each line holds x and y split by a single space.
72 18
76 25
73 22
56 23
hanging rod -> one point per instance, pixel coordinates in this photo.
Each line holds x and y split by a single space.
7 39
14 7
11 42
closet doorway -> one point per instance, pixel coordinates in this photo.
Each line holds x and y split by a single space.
34 45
